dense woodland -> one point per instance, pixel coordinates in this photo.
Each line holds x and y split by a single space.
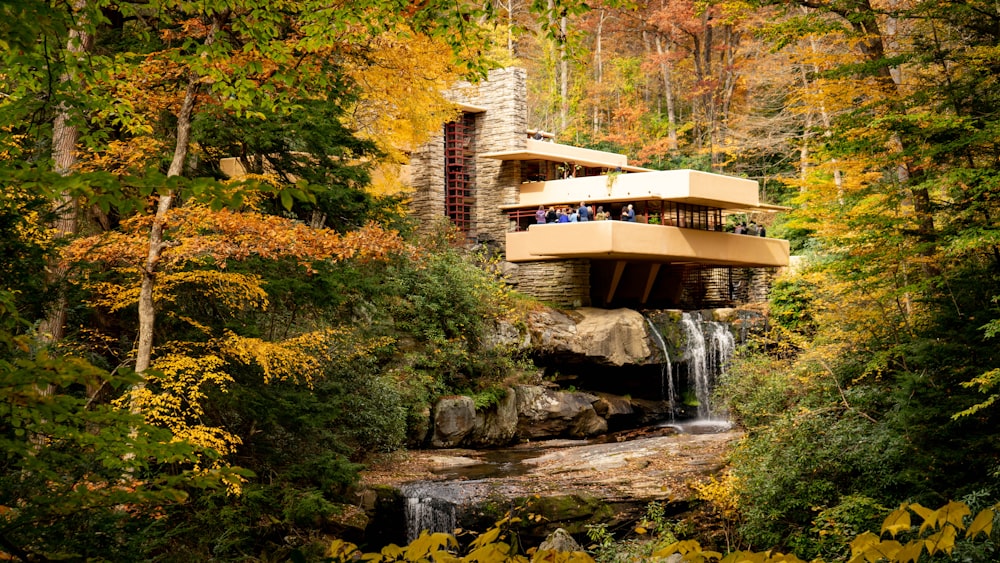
195 368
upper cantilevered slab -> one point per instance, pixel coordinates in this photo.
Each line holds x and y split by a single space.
681 186
544 150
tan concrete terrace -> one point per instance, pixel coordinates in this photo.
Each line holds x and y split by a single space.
688 208
622 240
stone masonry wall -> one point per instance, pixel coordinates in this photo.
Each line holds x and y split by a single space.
561 283
427 177
502 127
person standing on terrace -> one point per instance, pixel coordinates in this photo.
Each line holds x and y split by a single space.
540 215
583 212
629 214
551 216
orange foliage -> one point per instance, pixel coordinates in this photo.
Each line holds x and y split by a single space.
197 233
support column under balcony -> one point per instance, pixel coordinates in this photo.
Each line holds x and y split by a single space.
654 269
615 278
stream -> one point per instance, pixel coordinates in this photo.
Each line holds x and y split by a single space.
606 479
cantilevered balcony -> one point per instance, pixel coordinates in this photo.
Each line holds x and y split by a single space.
572 157
681 214
622 240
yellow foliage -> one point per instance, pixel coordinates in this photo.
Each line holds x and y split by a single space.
488 547
124 156
227 290
175 393
402 79
299 359
174 399
942 525
898 521
721 493
945 523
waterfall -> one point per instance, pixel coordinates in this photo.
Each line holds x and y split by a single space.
667 392
429 506
708 348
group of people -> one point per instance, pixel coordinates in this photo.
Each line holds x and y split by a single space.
753 229
579 214
584 212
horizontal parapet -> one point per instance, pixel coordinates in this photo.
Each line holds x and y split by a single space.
621 240
683 186
568 154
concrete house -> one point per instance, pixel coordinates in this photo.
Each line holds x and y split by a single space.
489 173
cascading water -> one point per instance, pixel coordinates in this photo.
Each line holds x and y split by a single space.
428 507
667 392
708 347
436 506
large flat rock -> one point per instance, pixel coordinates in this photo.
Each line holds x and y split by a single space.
652 468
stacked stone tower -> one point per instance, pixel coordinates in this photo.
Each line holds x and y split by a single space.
494 118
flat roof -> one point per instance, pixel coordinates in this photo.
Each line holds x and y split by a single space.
770 207
691 201
470 108
546 150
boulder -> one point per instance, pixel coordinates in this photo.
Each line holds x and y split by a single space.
609 406
560 540
496 426
618 411
571 512
615 337
652 412
454 418
544 413
503 334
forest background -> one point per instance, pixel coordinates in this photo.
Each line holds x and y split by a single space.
299 323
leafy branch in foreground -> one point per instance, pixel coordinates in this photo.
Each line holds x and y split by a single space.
939 533
494 544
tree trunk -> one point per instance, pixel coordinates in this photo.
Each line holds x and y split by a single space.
668 93
728 82
65 135
599 71
708 91
864 19
563 76
838 177
147 307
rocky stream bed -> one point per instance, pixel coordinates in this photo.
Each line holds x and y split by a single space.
574 458
570 483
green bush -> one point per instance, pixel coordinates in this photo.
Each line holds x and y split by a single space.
805 461
82 480
836 526
755 389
